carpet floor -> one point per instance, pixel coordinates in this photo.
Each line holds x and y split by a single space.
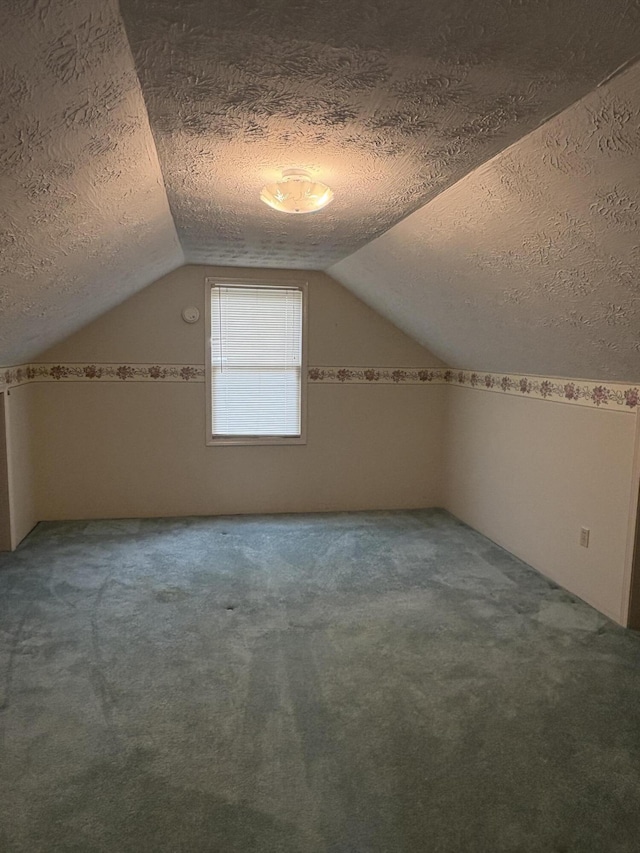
342 683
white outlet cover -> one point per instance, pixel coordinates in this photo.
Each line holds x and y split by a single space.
190 314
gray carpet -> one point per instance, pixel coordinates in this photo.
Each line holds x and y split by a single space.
346 683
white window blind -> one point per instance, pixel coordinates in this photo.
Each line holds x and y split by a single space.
256 360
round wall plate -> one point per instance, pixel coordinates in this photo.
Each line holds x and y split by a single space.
190 314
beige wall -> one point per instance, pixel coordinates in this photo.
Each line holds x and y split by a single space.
116 450
5 512
148 326
530 473
137 449
22 435
633 615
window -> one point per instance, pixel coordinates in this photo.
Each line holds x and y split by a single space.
255 365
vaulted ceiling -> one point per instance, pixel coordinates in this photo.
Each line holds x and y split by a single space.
133 137
532 260
84 218
387 101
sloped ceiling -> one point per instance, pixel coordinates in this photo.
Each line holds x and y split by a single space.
532 263
387 101
84 219
390 103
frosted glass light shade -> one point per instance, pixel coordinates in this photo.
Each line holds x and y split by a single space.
297 192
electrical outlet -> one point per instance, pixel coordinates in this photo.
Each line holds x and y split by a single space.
584 537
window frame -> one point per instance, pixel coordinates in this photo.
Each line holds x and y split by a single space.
246 440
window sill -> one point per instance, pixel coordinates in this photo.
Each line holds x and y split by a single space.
255 440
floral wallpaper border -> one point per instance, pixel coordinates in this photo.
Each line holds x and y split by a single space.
94 372
611 395
576 391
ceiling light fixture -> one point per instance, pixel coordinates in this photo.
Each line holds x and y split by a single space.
297 192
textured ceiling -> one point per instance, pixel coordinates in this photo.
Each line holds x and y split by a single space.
532 263
84 219
388 102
